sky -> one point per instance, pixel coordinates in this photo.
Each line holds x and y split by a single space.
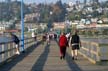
49 1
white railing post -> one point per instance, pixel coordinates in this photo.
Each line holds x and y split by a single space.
2 50
9 47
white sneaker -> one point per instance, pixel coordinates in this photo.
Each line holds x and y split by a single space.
18 52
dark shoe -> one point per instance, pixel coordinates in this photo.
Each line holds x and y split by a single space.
76 58
73 58
61 57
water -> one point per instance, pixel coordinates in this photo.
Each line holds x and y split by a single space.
4 39
98 40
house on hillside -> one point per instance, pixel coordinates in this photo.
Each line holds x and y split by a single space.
60 25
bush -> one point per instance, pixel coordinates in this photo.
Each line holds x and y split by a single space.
25 29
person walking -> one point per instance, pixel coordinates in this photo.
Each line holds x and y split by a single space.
33 35
62 45
68 38
48 38
75 45
43 38
16 41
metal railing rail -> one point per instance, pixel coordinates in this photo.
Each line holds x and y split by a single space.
91 51
7 49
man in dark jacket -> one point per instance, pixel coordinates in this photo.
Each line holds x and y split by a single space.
75 43
62 45
16 41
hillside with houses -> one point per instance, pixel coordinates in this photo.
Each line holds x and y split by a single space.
89 13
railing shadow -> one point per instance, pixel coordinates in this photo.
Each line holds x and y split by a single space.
16 59
38 66
72 65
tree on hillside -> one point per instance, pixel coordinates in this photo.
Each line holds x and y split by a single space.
11 10
44 13
59 11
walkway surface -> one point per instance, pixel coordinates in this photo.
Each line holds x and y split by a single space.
42 57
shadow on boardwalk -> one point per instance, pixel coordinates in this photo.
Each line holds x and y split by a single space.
72 65
39 65
9 65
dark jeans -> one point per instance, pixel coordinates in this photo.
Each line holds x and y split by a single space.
63 51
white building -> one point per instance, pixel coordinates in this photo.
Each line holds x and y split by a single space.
5 25
30 17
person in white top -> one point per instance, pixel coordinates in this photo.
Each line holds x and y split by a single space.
48 39
68 38
33 35
67 35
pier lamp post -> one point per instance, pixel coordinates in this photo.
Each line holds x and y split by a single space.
22 27
51 19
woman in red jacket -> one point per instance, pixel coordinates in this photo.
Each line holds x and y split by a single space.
62 45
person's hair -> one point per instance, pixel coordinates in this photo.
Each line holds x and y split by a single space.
75 31
62 32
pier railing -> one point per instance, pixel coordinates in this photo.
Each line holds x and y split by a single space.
90 50
7 49
94 51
